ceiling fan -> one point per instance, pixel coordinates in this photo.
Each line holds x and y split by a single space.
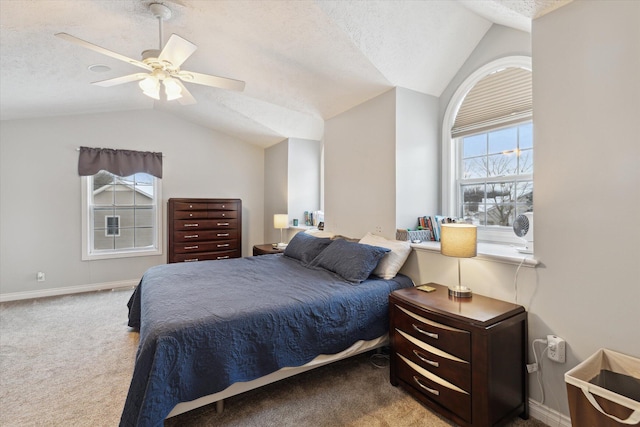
162 66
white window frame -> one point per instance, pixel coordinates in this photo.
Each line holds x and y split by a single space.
450 154
88 253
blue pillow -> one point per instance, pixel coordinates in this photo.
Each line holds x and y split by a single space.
305 247
352 261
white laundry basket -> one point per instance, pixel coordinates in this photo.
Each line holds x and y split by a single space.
593 405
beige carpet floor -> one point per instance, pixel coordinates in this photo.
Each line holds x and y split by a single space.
67 361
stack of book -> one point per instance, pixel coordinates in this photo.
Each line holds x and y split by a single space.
433 223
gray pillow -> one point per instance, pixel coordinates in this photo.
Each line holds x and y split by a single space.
305 247
352 261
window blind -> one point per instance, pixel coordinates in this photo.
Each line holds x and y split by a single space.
499 99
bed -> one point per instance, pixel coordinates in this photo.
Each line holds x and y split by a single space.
212 329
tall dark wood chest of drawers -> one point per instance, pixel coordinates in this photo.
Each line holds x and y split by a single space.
204 229
462 357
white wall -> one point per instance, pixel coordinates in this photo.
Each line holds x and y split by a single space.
40 190
586 95
360 171
417 157
381 164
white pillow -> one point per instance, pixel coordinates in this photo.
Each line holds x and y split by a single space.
319 233
393 261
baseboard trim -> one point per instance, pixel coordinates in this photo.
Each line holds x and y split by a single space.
15 296
549 416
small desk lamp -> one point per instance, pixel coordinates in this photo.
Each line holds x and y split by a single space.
459 240
281 221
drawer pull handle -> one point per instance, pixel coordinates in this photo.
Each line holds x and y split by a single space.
430 390
223 257
190 260
191 225
223 223
422 331
425 360
191 247
192 236
223 234
223 246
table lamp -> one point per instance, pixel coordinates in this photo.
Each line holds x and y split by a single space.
460 241
281 221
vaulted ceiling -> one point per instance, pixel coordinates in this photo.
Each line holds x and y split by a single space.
303 61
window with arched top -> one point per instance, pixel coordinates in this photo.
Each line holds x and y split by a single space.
488 149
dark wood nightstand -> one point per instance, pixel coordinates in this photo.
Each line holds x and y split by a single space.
265 249
464 358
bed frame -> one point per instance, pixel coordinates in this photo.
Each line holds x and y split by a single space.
241 387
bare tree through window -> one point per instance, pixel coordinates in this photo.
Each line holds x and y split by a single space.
497 178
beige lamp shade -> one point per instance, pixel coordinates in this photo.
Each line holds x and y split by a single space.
280 221
458 240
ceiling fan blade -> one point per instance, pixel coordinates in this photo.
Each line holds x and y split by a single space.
120 80
177 50
186 98
102 50
209 80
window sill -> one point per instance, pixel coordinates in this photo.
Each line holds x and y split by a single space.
489 252
121 254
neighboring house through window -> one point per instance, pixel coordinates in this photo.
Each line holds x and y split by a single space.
488 149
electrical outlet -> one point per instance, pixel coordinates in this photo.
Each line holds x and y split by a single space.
40 276
378 229
532 367
557 348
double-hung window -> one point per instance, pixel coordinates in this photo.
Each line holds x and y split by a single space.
495 182
121 215
488 149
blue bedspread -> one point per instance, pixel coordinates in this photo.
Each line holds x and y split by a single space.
206 325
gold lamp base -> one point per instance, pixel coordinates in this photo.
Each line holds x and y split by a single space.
460 291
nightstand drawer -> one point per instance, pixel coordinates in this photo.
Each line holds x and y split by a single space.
442 364
452 340
435 388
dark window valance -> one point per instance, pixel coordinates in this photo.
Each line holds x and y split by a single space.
118 162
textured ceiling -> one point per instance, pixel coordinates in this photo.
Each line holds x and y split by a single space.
303 61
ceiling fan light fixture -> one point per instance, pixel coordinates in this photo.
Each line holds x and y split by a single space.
149 84
172 89
155 94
